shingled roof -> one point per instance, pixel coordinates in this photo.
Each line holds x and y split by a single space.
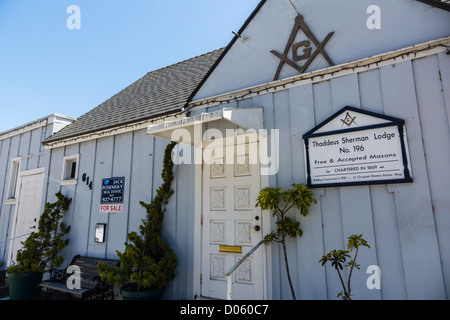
443 4
161 92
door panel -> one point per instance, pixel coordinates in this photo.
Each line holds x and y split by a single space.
27 210
229 219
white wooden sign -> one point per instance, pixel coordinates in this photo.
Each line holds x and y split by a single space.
357 147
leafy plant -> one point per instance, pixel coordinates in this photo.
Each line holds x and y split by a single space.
338 259
280 202
148 262
40 251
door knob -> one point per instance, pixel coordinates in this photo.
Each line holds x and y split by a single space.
255 228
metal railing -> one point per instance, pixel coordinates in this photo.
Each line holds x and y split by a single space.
237 264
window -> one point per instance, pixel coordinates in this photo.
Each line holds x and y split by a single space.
13 178
70 169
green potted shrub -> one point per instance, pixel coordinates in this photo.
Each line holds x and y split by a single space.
148 263
280 202
40 251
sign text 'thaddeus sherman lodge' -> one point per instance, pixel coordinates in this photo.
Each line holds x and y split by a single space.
357 147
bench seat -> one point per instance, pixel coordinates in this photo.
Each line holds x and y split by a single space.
91 285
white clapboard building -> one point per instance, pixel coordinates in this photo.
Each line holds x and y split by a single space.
350 97
24 165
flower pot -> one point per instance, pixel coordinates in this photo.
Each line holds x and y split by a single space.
23 286
141 295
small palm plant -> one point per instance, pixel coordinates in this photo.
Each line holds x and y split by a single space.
280 202
339 257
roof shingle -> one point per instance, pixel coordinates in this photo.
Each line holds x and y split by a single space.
443 4
160 92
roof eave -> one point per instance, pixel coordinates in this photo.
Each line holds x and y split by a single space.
225 51
437 4
50 143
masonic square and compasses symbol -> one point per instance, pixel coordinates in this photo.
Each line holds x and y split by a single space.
300 24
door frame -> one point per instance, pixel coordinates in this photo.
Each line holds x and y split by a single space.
198 230
20 176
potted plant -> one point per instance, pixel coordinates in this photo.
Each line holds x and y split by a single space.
148 263
40 251
280 202
339 257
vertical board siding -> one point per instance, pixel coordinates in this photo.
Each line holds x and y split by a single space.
272 264
329 199
27 147
444 72
82 202
284 179
34 148
417 228
356 207
436 142
311 280
103 169
404 224
141 188
118 222
71 215
186 218
5 165
137 157
24 147
387 241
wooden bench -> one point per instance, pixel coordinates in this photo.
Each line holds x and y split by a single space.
92 287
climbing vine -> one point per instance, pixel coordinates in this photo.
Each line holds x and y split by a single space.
148 262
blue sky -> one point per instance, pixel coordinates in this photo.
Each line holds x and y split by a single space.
47 68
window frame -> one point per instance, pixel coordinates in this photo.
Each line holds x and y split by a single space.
67 178
14 172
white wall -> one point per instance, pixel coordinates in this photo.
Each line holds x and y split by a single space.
405 224
25 143
403 23
137 157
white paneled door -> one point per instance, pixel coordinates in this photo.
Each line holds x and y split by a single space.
28 206
231 225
